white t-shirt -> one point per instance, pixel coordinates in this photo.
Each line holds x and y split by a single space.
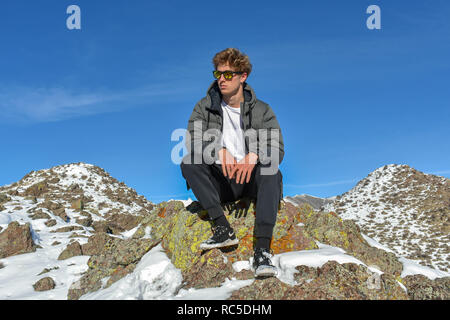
233 133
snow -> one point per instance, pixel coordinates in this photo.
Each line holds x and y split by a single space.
376 244
287 262
394 223
156 278
411 267
185 202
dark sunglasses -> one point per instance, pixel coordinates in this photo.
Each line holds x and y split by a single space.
228 75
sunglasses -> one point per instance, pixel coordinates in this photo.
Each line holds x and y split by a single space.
228 75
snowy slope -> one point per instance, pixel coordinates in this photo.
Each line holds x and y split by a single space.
404 209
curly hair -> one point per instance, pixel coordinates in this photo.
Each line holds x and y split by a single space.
235 58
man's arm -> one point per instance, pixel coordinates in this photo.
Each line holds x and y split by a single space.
195 144
271 139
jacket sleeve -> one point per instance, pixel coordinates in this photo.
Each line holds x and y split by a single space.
197 125
270 138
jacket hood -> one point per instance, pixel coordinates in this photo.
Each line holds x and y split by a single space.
214 98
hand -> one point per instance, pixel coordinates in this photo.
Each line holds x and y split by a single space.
228 162
244 168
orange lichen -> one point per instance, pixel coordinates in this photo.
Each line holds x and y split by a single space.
162 212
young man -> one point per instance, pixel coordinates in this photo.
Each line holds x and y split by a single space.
240 167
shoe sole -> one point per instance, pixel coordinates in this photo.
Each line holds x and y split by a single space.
226 243
266 272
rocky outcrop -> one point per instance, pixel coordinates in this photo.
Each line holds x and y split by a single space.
332 281
181 230
16 239
111 259
44 284
72 250
403 209
421 288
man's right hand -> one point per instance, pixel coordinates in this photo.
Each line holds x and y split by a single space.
228 162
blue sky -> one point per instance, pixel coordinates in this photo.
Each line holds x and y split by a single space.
349 100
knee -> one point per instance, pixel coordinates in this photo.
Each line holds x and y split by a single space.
267 173
188 169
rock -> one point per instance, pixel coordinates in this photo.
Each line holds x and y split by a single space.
16 239
39 214
95 244
61 212
77 205
73 249
113 258
119 223
422 288
56 208
67 229
210 270
86 222
101 226
47 270
332 281
37 189
50 223
44 284
4 198
182 230
328 228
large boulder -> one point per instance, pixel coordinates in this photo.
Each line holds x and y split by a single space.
73 249
183 229
332 281
16 239
44 284
422 288
111 257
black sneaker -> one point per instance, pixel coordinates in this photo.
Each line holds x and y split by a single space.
262 265
222 237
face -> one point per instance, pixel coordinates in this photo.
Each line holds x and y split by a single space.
230 87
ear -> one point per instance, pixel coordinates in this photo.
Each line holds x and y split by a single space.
243 77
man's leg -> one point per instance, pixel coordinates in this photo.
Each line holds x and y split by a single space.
207 187
267 190
211 188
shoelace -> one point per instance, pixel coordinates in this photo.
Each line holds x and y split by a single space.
264 257
218 232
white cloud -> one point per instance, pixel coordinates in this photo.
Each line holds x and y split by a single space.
46 104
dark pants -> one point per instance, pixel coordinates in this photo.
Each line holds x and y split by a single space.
212 188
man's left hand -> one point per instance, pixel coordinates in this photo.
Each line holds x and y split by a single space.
244 168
